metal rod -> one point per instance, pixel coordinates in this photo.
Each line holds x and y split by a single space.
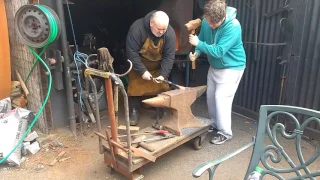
80 109
126 111
114 162
64 44
89 110
97 112
153 139
112 119
187 72
116 104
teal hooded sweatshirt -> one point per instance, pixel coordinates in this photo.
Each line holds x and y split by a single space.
223 45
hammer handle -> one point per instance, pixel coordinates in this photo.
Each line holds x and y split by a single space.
193 64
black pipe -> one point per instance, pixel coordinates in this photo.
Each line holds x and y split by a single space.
80 117
67 75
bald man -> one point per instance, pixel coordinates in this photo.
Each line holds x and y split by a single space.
151 46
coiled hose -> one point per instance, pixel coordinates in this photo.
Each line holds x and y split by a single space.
52 37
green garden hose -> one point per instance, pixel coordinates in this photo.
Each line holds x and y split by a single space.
53 35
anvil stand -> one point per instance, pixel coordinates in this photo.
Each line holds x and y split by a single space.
130 166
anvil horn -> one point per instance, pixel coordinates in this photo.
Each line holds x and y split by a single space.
164 101
200 90
159 101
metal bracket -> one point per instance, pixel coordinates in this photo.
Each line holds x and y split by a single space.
284 8
283 61
58 71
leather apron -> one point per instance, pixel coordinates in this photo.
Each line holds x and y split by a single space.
151 57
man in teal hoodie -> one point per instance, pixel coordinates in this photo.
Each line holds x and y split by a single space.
220 39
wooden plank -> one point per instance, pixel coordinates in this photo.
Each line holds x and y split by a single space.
15 84
132 128
19 101
23 85
57 158
5 65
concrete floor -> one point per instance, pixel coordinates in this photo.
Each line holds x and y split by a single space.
87 163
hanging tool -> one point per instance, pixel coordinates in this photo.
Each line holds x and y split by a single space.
192 26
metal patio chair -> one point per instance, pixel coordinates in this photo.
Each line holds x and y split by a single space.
274 152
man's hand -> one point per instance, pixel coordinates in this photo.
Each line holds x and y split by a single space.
158 79
146 76
193 56
194 40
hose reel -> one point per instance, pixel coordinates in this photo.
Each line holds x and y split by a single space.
37 25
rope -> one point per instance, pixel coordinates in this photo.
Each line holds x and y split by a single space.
78 57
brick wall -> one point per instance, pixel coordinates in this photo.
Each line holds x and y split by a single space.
22 60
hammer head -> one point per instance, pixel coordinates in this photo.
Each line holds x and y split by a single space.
193 25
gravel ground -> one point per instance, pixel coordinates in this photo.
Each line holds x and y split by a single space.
86 163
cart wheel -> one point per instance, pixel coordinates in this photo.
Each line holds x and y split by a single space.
197 144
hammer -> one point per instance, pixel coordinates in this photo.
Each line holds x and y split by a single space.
140 141
192 26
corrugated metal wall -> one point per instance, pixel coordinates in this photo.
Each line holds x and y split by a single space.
262 78
306 92
304 75
299 29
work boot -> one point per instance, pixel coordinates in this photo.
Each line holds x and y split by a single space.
134 116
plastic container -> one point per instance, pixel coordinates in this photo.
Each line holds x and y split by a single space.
256 175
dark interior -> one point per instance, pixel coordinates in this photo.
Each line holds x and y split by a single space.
109 21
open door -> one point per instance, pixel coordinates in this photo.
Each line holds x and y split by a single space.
5 68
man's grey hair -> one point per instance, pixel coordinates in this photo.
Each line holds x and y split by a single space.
159 16
215 10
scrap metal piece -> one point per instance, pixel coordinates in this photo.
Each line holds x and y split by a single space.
179 102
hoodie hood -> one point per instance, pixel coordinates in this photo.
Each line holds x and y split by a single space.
230 16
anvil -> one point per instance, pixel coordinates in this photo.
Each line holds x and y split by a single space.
179 103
